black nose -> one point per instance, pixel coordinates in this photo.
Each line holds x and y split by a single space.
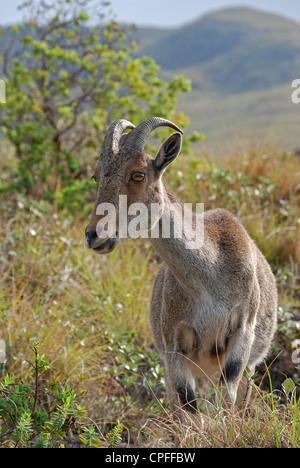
91 236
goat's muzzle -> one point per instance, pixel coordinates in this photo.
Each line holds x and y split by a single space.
99 245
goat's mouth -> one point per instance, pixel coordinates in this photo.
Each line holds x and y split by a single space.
107 246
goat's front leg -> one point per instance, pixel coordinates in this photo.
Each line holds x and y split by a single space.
180 385
235 387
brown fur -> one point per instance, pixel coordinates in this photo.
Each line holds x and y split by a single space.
213 308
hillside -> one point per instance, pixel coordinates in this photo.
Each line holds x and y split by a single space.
236 50
241 63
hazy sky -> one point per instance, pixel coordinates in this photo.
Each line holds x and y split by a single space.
168 12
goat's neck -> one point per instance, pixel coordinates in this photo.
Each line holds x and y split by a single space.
188 265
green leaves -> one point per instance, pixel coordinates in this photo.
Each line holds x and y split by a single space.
90 438
23 429
65 84
113 438
37 415
288 386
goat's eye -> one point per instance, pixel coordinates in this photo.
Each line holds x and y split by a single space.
137 176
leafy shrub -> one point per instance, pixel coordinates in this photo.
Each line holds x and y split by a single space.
45 414
66 83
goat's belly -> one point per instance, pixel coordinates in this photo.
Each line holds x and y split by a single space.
205 365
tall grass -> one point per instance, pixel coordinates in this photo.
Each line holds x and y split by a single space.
90 313
262 427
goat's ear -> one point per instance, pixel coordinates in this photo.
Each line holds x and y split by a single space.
169 151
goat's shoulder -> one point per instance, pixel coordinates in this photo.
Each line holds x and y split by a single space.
219 216
230 242
225 230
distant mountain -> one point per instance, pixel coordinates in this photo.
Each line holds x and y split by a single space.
241 63
234 50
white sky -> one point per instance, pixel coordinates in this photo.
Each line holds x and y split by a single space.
168 12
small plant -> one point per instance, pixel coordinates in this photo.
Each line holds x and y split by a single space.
113 438
43 414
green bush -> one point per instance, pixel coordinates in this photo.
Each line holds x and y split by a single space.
66 83
46 413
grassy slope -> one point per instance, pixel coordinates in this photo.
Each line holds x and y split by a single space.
90 313
252 116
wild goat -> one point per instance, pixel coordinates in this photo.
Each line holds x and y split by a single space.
213 307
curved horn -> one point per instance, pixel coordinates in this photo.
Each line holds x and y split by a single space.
137 138
114 133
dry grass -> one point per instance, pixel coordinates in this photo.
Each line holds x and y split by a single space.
266 423
90 313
